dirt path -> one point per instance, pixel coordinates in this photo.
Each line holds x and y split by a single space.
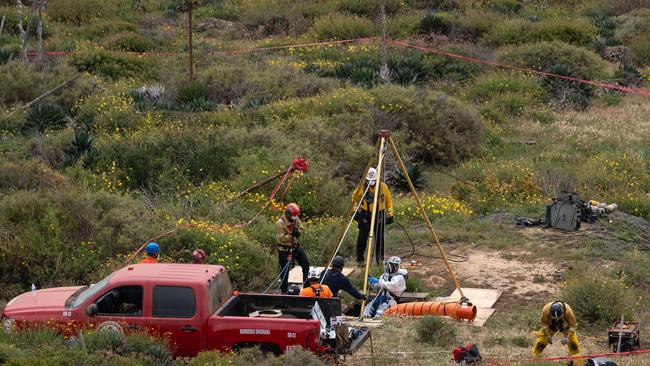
519 273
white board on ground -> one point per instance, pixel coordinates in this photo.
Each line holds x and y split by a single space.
480 297
295 274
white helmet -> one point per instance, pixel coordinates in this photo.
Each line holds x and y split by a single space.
313 274
392 264
371 177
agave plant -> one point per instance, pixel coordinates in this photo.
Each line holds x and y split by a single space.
44 117
415 172
409 70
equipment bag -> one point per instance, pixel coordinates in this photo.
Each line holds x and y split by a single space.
467 355
600 361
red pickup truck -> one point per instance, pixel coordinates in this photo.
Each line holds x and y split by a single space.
193 305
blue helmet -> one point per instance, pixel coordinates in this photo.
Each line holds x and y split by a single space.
152 248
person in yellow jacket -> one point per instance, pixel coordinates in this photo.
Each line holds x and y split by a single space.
363 216
556 317
315 289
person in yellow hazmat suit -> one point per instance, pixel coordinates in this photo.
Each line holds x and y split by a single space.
363 215
558 316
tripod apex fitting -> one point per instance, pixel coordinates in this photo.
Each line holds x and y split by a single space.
384 133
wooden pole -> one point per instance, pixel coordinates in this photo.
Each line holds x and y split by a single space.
190 75
424 216
373 218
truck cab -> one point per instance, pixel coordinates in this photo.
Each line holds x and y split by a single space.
191 305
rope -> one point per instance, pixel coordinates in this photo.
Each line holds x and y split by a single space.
504 361
462 258
344 234
625 89
279 277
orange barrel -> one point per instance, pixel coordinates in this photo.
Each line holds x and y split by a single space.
454 310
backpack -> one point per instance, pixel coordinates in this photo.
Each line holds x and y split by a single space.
467 355
600 361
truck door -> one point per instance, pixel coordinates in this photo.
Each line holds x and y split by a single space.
175 314
120 309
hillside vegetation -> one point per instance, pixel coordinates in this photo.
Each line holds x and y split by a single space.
129 148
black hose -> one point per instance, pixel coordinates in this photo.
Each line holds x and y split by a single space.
459 258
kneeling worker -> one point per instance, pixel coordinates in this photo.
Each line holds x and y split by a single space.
390 285
556 317
315 289
336 280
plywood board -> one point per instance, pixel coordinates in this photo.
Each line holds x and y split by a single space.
482 315
480 297
295 274
413 296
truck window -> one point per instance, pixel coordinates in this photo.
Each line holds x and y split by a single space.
122 301
173 302
219 291
90 291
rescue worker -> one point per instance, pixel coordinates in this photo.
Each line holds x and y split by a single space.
390 287
288 230
315 289
198 256
556 317
336 280
363 215
152 250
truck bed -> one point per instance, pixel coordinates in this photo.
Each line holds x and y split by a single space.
293 307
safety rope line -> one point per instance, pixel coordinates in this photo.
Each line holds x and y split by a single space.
625 89
275 190
505 361
338 247
629 90
279 277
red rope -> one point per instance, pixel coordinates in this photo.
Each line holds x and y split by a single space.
523 69
496 361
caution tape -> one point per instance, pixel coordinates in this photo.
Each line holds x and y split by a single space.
497 361
524 69
625 89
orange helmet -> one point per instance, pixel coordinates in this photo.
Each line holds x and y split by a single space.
292 209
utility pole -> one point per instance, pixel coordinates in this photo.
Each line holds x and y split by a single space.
384 72
190 74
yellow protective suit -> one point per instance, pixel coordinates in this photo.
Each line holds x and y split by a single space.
567 325
385 199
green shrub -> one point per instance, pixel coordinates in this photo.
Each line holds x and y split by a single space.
437 128
598 299
416 175
339 26
45 117
110 65
641 49
226 10
453 69
506 6
435 331
368 8
129 41
441 23
103 28
546 55
360 70
474 24
22 83
634 269
515 31
504 95
192 96
275 16
565 93
403 26
87 227
78 12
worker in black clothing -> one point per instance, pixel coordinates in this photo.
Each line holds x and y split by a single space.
336 280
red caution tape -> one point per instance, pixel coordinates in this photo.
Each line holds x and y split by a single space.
496 361
625 89
523 69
